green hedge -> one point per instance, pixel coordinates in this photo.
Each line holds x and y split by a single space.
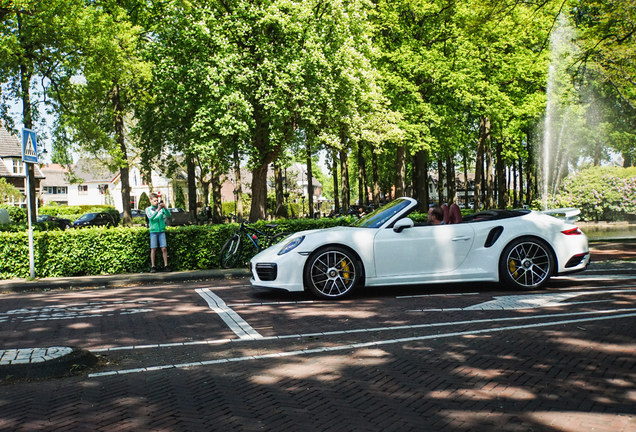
97 251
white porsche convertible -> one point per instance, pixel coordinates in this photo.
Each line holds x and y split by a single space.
521 248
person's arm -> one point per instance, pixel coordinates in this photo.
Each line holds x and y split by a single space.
153 214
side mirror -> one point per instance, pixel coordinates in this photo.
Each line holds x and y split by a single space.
402 224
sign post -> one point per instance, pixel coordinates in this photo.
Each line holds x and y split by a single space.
29 155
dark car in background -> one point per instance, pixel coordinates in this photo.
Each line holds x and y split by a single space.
94 219
61 223
134 213
179 217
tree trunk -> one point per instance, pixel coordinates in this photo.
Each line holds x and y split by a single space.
281 210
360 175
465 180
502 194
489 171
376 179
400 172
530 176
310 183
123 169
440 181
192 188
344 178
238 187
334 172
450 181
217 205
265 154
420 180
479 162
259 193
521 202
364 178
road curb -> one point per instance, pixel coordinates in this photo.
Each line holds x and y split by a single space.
118 280
77 360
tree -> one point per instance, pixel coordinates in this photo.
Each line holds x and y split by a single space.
39 41
9 192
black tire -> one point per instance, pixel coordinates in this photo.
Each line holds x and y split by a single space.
231 252
332 272
526 263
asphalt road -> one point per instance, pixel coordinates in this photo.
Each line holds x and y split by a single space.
215 355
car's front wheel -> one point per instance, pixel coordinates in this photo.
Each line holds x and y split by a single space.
526 263
332 273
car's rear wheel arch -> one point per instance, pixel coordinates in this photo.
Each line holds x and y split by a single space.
530 239
354 254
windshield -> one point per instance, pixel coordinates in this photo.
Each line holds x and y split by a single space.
87 216
43 218
378 217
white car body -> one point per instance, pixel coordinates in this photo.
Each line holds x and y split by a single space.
423 254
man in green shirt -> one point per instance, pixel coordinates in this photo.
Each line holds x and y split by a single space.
156 222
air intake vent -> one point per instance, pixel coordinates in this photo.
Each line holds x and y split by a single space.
493 236
266 272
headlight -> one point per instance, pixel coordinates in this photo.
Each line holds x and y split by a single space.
291 245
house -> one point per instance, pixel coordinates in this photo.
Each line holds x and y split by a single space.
12 169
55 184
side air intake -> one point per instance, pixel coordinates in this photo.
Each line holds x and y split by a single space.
493 236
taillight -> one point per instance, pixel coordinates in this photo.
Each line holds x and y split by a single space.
573 231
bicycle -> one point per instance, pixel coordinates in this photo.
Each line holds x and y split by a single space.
232 250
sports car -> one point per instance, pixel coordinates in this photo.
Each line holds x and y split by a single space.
521 248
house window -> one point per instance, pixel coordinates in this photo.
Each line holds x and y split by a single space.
62 189
54 190
102 188
82 189
18 166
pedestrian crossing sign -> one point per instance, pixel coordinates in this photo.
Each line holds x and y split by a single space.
29 146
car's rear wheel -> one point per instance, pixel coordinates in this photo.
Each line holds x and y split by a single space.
526 263
332 273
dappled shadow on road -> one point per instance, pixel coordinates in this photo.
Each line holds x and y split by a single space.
489 376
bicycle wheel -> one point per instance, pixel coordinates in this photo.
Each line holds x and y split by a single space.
277 238
231 252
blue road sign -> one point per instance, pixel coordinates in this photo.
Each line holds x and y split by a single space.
29 146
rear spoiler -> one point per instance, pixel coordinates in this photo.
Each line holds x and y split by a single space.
569 215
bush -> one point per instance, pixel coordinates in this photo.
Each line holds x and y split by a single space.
144 201
95 251
601 193
18 215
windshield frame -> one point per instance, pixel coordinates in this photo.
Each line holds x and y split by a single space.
380 216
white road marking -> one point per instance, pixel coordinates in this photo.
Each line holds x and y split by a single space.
237 324
527 301
369 330
361 345
72 311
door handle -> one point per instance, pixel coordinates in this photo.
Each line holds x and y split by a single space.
460 238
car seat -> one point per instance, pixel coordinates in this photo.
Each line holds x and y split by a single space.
455 216
446 213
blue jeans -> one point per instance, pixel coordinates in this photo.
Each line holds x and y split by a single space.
158 238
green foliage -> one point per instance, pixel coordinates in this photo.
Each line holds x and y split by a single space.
601 193
18 215
8 191
95 251
179 197
144 201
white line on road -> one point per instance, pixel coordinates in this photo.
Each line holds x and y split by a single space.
237 324
369 330
362 345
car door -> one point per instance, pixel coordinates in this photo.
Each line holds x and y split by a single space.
422 250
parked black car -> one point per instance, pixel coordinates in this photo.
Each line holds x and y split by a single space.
179 217
94 219
62 223
134 213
